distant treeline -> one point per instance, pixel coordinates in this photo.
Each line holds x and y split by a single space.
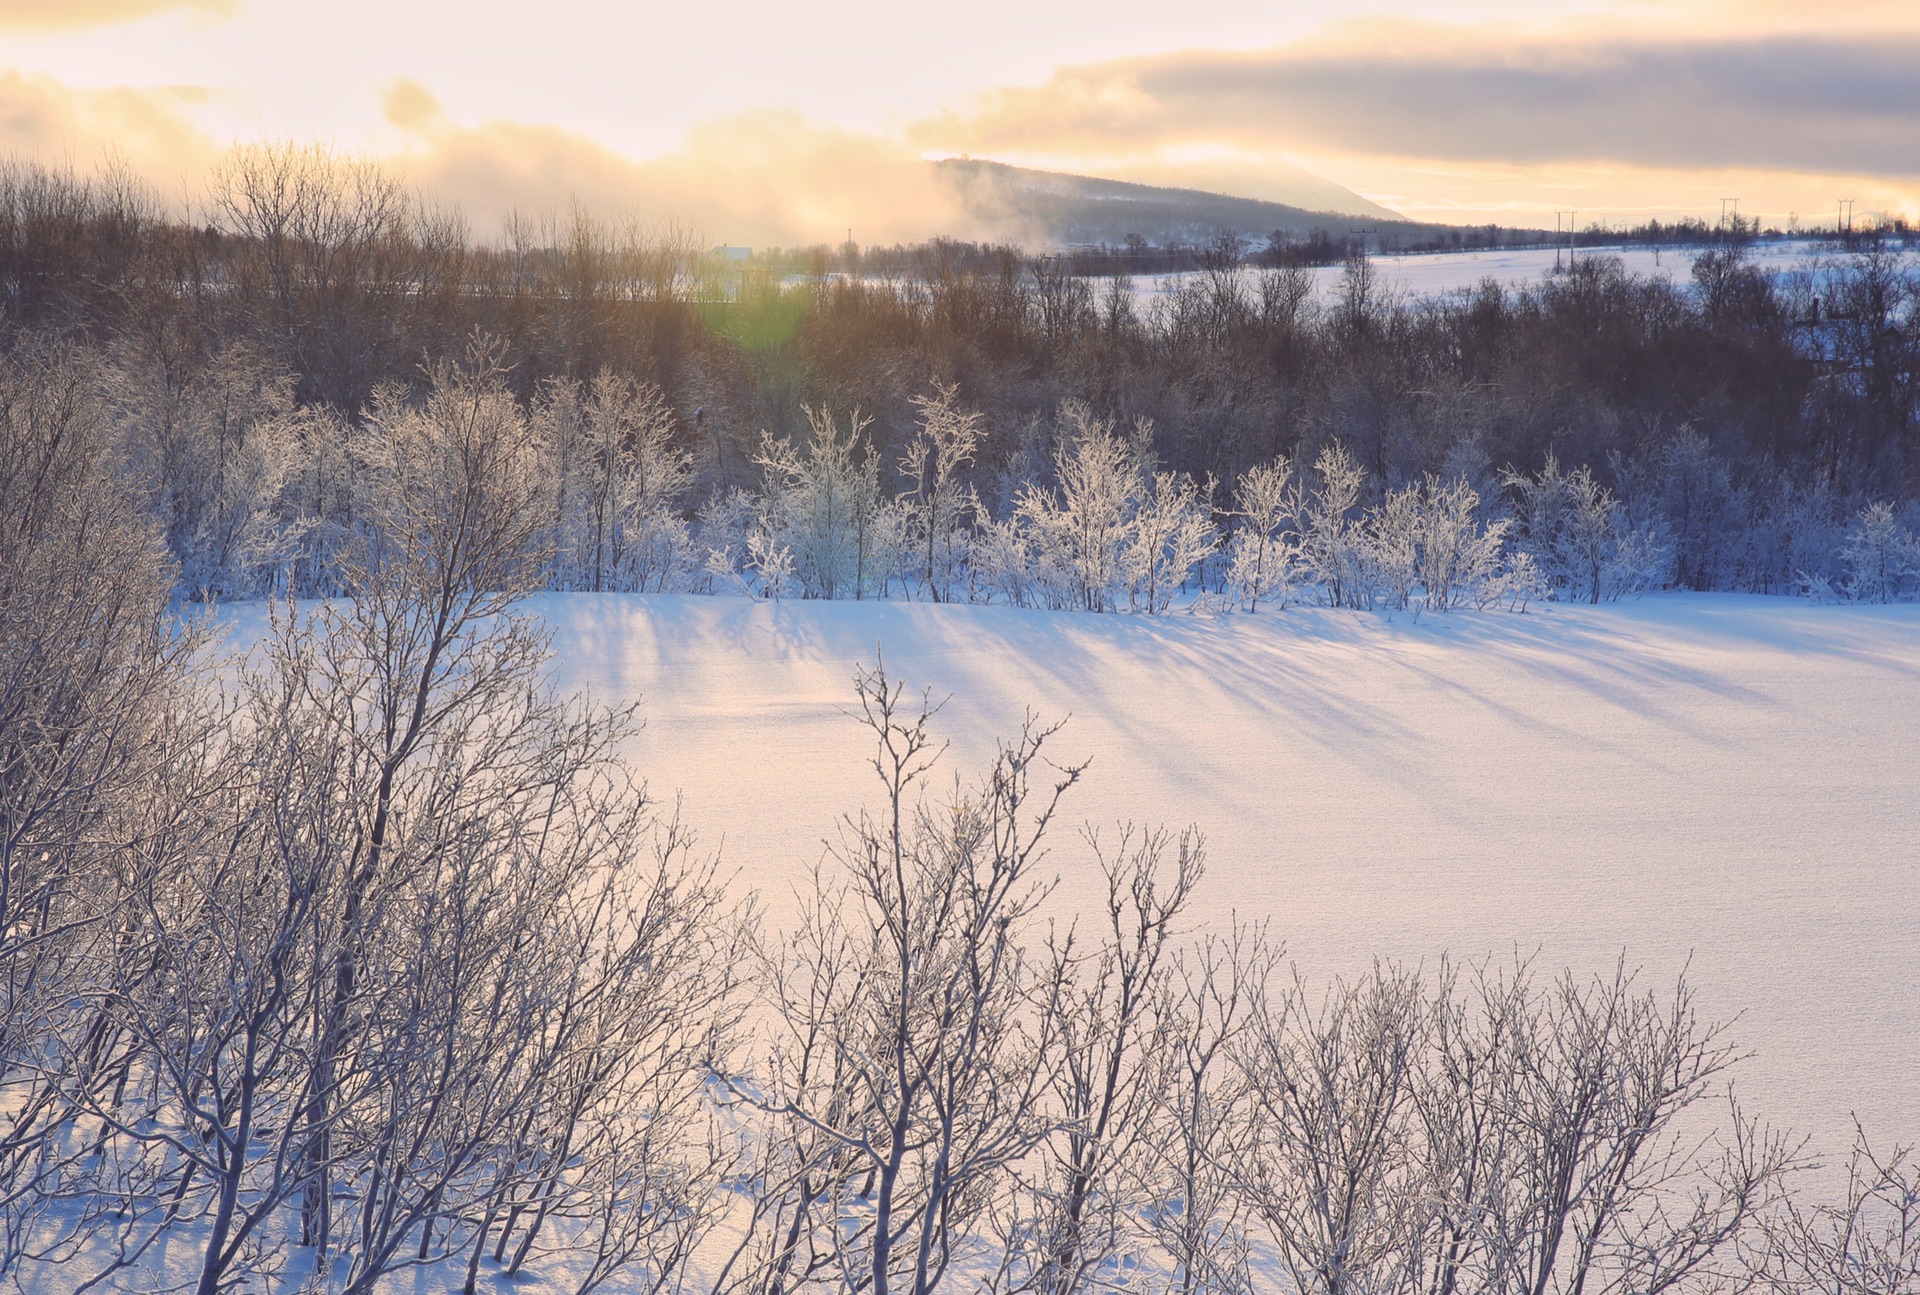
1138 256
1740 422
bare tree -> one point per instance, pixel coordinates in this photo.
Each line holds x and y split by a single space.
1467 1131
328 262
397 944
939 1019
1201 1216
93 669
1865 1243
1326 1166
411 667
1095 1179
1614 1193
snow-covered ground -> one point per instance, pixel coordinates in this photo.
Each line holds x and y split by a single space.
1731 780
1426 273
1726 782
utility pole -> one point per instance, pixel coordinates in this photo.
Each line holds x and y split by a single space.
1725 203
1570 238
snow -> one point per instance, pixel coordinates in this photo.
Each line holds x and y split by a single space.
1425 273
1715 780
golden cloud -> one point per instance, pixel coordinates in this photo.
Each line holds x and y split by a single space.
760 178
150 131
57 14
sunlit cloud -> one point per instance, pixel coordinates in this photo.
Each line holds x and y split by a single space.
45 15
1800 104
758 178
1443 122
764 177
151 132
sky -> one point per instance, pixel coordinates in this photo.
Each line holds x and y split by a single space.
759 120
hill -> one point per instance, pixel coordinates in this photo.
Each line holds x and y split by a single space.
1062 209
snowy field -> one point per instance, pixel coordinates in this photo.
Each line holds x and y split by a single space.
1722 778
1427 273
1715 781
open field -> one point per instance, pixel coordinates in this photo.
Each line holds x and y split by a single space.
1431 273
1724 778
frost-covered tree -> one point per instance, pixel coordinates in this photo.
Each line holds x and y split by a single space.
1326 1162
1610 1190
1080 532
214 445
1578 536
1086 1202
1200 1227
1865 1243
822 503
1703 517
1460 559
458 996
1333 541
918 995
1000 563
615 481
1393 534
95 680
1170 534
939 506
1264 554
1881 556
1114 531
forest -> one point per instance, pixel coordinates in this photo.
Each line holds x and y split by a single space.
363 951
964 422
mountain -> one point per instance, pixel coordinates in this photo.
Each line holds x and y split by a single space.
1063 209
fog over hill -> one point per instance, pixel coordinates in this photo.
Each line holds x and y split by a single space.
1060 208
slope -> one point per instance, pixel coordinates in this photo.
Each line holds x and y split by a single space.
1058 208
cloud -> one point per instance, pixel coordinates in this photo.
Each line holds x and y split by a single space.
55 14
412 107
151 131
759 178
1840 104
